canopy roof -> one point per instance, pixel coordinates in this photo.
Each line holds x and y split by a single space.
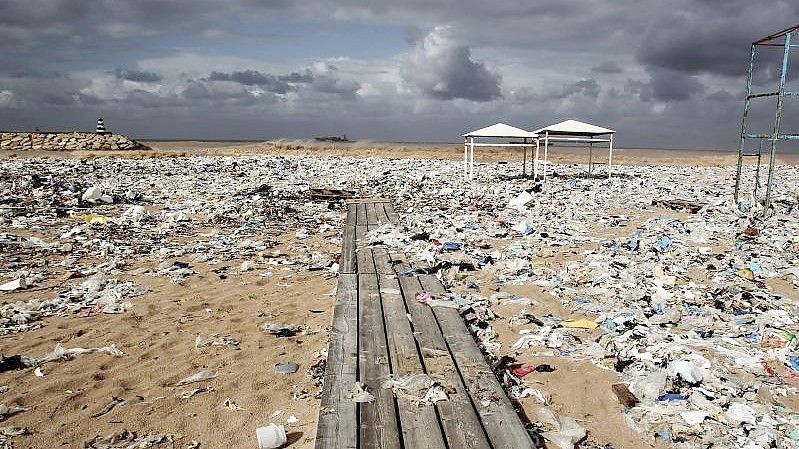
574 128
500 130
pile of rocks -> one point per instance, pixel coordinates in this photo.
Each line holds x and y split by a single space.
67 141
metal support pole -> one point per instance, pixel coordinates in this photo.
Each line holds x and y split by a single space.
757 170
773 161
591 156
471 165
524 161
610 158
535 161
546 153
465 158
752 55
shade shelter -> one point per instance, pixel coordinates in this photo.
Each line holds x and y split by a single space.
496 131
576 132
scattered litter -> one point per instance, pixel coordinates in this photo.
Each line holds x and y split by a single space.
272 436
359 394
198 377
126 439
286 367
16 284
216 340
229 404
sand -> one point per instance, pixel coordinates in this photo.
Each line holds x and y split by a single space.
158 339
449 151
158 334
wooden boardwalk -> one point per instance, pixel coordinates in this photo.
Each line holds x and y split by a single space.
380 329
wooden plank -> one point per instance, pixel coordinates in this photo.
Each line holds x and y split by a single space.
459 419
392 215
500 420
381 261
347 263
338 417
379 427
382 217
361 214
398 261
371 216
420 425
366 262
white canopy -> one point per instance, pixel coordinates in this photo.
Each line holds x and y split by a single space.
575 131
501 130
497 131
575 128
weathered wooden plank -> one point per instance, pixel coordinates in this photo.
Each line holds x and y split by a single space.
459 419
366 261
382 217
500 420
420 425
381 261
392 215
347 264
371 216
338 419
361 214
399 262
379 427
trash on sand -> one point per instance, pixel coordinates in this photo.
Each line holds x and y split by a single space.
281 329
61 353
626 398
6 411
16 284
567 432
198 377
216 340
189 393
286 368
229 404
359 394
15 363
128 440
272 436
110 406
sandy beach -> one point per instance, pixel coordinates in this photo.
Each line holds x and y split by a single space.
217 241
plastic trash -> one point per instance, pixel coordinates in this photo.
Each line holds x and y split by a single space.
359 394
567 432
16 284
197 377
286 368
687 371
271 437
92 194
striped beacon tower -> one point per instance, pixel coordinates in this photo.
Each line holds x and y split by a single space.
101 126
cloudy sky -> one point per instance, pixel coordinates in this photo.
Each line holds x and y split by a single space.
668 74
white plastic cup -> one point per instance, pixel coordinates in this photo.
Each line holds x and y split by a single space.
271 437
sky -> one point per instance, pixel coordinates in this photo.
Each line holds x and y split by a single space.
663 74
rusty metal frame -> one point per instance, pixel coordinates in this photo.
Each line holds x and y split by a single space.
780 39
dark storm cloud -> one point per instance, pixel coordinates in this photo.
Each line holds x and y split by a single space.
586 88
672 85
297 77
326 83
138 76
607 67
265 81
444 69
